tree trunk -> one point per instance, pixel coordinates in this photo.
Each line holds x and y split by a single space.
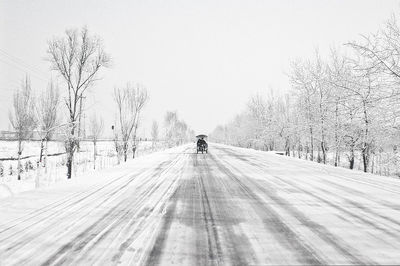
94 154
351 160
133 151
366 146
323 148
307 150
134 147
125 152
299 150
70 146
323 142
351 157
337 157
337 144
117 149
41 149
311 144
287 146
19 159
70 158
365 157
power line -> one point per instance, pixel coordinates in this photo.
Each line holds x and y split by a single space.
35 72
21 69
12 86
23 66
22 63
12 83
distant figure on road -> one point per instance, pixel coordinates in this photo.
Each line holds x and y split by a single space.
200 141
202 145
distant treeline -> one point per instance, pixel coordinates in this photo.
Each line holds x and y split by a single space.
343 109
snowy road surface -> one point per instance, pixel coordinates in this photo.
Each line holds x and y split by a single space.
229 207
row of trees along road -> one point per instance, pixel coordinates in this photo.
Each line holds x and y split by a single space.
130 101
342 109
77 57
32 112
177 131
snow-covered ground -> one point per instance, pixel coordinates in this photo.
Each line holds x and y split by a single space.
56 170
231 206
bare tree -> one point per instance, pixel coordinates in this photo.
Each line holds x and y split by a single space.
22 117
369 95
339 76
305 91
134 139
47 116
380 75
176 131
117 145
96 129
323 97
283 122
78 58
130 102
381 52
139 99
260 110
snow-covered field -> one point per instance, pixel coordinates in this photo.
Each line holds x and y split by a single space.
232 206
56 170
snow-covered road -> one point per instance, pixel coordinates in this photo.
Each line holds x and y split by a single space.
229 207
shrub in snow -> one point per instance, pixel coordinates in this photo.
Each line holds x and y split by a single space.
10 170
1 169
30 165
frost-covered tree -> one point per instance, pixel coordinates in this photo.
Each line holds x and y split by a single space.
78 57
22 117
47 116
130 102
176 131
305 91
380 52
338 106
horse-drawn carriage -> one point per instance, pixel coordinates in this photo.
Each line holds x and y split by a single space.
202 145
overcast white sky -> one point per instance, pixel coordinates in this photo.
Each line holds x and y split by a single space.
203 59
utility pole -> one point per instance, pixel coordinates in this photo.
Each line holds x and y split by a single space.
79 122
